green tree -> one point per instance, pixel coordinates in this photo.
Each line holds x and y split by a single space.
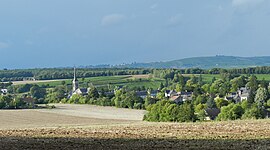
220 102
237 83
268 103
173 111
161 86
251 96
186 113
75 99
200 100
155 111
37 92
261 96
60 92
93 93
211 103
237 111
206 88
102 93
253 113
201 115
252 83
231 112
149 101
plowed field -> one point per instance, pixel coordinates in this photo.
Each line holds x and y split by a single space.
90 127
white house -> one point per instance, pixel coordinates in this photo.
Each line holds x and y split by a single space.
4 91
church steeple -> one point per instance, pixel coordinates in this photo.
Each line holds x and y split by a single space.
75 81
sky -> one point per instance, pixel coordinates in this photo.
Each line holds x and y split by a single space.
60 33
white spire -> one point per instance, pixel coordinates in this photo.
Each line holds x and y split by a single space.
75 81
74 73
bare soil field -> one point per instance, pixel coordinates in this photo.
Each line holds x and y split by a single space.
143 76
35 82
65 128
68 115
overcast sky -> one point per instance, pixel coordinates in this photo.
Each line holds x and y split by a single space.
54 33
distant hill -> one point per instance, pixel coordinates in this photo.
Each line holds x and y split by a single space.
206 62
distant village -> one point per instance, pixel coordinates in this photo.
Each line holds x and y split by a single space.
174 95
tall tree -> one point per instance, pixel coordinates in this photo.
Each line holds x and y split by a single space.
252 83
261 96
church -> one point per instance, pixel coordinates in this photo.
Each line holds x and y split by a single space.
75 87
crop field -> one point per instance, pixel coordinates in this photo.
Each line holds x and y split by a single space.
103 81
37 82
93 127
128 80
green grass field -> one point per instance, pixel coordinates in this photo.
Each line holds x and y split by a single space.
263 76
207 78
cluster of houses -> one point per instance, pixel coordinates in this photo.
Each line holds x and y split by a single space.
178 97
211 113
239 96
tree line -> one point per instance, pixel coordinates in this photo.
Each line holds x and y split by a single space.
67 73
